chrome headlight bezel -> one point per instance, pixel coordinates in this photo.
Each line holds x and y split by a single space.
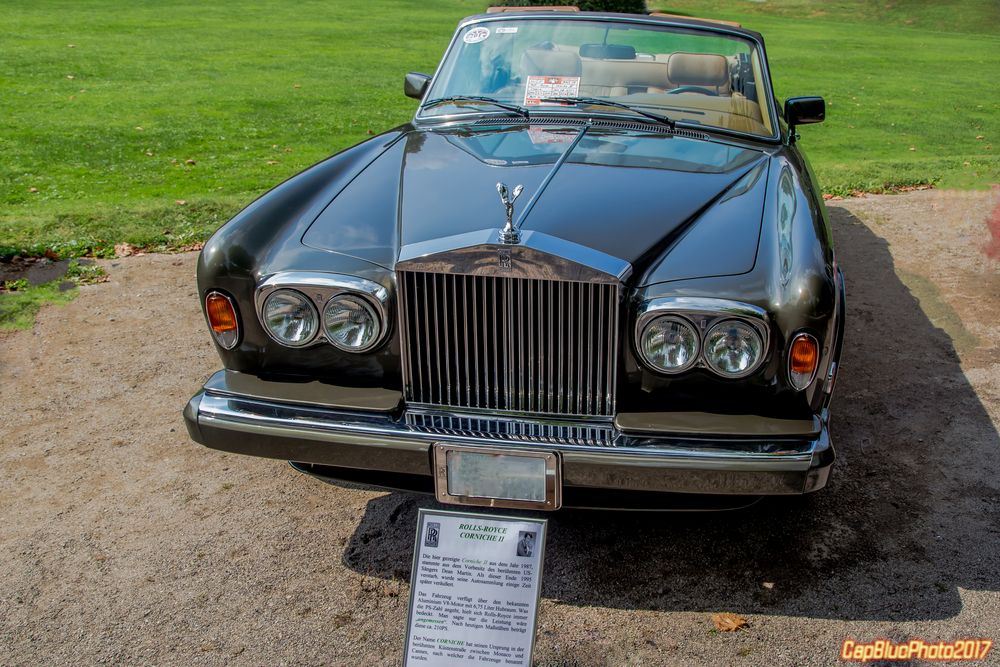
704 313
320 289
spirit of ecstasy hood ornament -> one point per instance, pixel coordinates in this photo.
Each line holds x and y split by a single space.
509 233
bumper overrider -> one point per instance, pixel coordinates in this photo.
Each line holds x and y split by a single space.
369 436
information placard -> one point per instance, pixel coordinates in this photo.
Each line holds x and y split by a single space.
474 589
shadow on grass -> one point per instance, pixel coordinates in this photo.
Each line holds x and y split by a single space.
910 515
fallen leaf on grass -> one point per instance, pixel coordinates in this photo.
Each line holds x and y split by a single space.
190 162
727 622
126 250
190 247
180 202
827 196
272 162
32 189
51 254
70 76
71 46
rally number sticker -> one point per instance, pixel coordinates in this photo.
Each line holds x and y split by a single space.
476 35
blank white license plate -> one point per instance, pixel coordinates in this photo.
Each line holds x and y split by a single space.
490 477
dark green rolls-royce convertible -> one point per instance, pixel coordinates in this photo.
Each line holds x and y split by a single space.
594 270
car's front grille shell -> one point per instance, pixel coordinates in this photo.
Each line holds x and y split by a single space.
509 344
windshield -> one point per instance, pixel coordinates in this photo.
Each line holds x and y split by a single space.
691 76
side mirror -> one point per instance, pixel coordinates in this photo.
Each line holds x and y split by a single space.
804 110
415 85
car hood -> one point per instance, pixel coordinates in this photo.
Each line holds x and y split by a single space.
632 195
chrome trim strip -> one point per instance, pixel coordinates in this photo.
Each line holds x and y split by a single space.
319 287
830 378
704 313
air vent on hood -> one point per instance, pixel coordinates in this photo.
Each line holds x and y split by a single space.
594 122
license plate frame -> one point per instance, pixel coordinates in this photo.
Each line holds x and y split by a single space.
494 456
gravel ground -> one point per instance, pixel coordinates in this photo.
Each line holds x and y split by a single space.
125 543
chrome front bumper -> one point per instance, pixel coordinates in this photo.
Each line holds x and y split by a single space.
238 413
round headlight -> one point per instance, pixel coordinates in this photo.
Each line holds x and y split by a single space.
290 317
351 323
669 344
733 348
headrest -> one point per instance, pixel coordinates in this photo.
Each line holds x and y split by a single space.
698 69
549 62
635 73
607 51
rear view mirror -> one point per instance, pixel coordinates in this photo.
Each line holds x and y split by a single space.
415 85
804 110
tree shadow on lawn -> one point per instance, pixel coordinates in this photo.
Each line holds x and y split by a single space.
911 514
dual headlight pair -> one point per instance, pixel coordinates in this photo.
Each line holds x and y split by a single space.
672 344
348 321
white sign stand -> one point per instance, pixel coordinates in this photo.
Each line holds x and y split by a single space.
474 589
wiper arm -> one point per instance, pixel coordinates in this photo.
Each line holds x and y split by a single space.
509 106
663 120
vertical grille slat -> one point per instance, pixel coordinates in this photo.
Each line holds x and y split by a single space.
509 344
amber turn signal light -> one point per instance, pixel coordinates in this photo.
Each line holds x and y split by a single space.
222 318
221 314
802 360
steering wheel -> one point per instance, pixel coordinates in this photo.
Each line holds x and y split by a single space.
693 89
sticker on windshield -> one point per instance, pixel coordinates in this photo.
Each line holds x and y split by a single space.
476 35
506 30
540 87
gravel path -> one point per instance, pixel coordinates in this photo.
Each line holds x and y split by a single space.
125 543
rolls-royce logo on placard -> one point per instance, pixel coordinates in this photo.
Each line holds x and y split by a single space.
503 256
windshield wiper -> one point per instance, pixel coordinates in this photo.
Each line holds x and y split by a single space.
509 106
663 120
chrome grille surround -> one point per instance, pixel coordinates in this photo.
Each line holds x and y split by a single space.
512 329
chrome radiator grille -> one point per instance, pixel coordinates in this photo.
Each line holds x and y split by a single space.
509 344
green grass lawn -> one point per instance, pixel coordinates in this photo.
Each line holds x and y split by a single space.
111 113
